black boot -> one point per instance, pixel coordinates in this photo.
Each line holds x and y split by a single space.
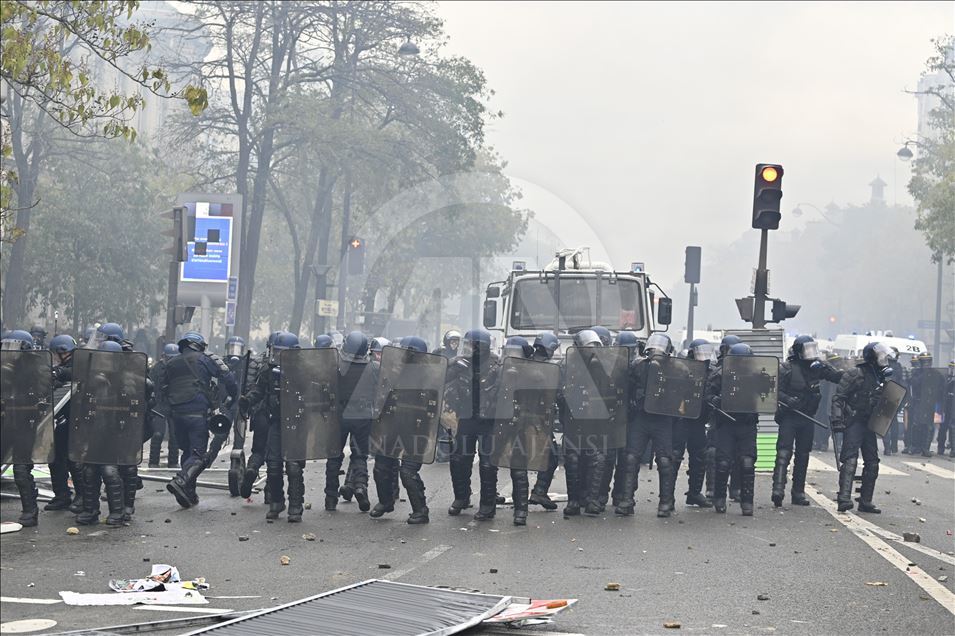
694 491
721 474
779 476
296 491
747 487
76 474
609 464
183 485
59 481
251 475
411 480
869 474
798 491
710 471
846 474
383 486
115 495
666 479
629 470
520 485
597 468
540 496
488 506
572 476
460 466
23 477
734 482
91 486
275 485
130 476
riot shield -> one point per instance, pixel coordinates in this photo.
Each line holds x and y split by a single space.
890 399
408 404
675 387
930 392
309 404
26 407
108 407
750 384
595 395
524 417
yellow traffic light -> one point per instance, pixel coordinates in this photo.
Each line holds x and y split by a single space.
769 174
355 243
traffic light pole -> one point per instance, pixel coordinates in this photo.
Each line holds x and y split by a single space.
689 318
761 288
172 299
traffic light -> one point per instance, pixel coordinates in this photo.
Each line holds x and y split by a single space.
783 310
691 269
178 233
356 256
767 195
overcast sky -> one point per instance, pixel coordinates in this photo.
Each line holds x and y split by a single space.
647 119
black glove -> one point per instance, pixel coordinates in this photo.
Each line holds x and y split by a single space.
244 406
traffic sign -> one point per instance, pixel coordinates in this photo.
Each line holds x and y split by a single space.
230 314
326 307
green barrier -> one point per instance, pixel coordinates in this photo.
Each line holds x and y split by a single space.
766 451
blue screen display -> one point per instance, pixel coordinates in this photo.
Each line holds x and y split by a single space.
213 266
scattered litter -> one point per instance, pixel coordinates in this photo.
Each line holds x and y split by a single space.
672 625
912 537
308 506
97 533
718 625
31 584
755 612
146 559
612 587
537 612
308 536
580 549
493 570
172 595
160 576
72 531
921 519
877 584
10 526
243 538
942 578
168 521
79 573
284 560
916 501
948 533
772 545
833 529
384 566
762 597
493 530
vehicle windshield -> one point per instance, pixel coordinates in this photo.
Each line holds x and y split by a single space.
620 305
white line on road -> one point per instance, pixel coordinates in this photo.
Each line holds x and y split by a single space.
32 601
430 555
859 528
183 610
817 464
938 471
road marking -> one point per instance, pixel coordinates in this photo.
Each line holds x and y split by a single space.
183 610
938 471
430 555
859 528
817 464
32 601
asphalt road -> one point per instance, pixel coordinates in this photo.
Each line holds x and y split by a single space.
703 570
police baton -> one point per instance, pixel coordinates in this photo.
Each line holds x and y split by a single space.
803 415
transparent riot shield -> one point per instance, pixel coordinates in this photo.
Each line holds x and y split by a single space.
928 393
675 387
108 407
595 396
525 413
890 399
26 407
309 404
750 384
408 405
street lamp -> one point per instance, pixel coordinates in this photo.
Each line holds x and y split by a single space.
797 212
904 153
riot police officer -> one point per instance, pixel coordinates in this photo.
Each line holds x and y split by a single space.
267 391
689 436
159 418
63 346
357 378
388 469
259 420
451 343
799 397
947 427
645 427
922 404
38 334
725 343
578 465
20 340
855 399
469 392
545 345
735 442
187 382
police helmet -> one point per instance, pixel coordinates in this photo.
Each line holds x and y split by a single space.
740 349
804 348
415 344
111 331
606 338
17 340
727 342
627 339
450 336
110 345
170 351
587 338
876 354
355 346
377 344
701 349
518 347
475 341
323 341
62 344
659 343
192 340
546 343
235 347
